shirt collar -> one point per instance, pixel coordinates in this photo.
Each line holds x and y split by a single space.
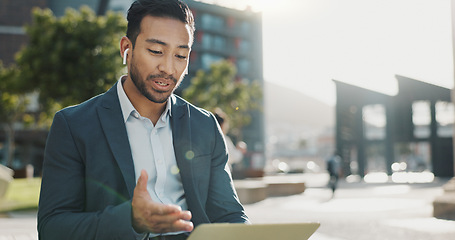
128 108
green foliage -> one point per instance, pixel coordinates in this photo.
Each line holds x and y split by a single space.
72 58
12 106
12 102
219 88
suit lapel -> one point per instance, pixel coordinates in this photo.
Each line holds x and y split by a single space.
181 135
110 115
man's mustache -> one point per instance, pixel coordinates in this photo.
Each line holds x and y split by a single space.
165 76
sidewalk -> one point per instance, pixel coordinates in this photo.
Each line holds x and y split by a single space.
18 226
359 211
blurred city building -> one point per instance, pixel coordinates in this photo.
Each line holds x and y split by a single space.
236 35
13 16
408 132
221 33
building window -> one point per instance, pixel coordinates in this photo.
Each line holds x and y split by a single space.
245 27
219 43
213 42
421 118
444 118
208 59
374 121
209 21
207 41
245 46
243 66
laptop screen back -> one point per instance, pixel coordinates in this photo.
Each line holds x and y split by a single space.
240 231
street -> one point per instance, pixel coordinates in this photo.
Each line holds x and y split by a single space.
358 211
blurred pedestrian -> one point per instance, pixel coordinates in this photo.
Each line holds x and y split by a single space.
334 168
237 151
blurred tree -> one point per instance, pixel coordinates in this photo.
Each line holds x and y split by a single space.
13 104
72 58
219 87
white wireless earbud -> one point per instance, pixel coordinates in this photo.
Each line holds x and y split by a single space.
124 56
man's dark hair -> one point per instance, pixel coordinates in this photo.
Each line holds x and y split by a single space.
175 9
220 116
219 119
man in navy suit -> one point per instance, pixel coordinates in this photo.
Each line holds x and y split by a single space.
138 162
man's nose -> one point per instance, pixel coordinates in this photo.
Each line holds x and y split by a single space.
167 65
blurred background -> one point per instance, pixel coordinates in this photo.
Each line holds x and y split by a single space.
368 81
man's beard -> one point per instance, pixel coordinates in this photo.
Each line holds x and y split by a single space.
160 96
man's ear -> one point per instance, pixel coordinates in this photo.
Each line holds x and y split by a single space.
125 48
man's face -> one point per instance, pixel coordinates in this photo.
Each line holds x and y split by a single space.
160 57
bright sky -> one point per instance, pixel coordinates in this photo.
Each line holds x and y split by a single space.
307 43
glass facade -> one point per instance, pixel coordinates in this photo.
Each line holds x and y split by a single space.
421 118
233 35
444 118
213 42
374 121
243 66
212 22
208 59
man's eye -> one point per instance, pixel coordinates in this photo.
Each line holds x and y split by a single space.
181 56
155 52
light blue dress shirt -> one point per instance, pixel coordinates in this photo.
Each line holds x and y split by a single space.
153 150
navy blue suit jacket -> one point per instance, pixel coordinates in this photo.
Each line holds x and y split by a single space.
88 174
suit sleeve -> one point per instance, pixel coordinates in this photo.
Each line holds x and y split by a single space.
223 204
61 213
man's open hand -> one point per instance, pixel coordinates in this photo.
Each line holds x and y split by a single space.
149 216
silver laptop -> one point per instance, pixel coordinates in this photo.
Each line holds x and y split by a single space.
240 231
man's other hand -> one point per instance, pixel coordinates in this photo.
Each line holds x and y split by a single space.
150 216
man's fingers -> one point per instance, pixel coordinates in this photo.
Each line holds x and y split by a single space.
175 226
186 215
181 225
173 222
142 181
162 209
173 216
